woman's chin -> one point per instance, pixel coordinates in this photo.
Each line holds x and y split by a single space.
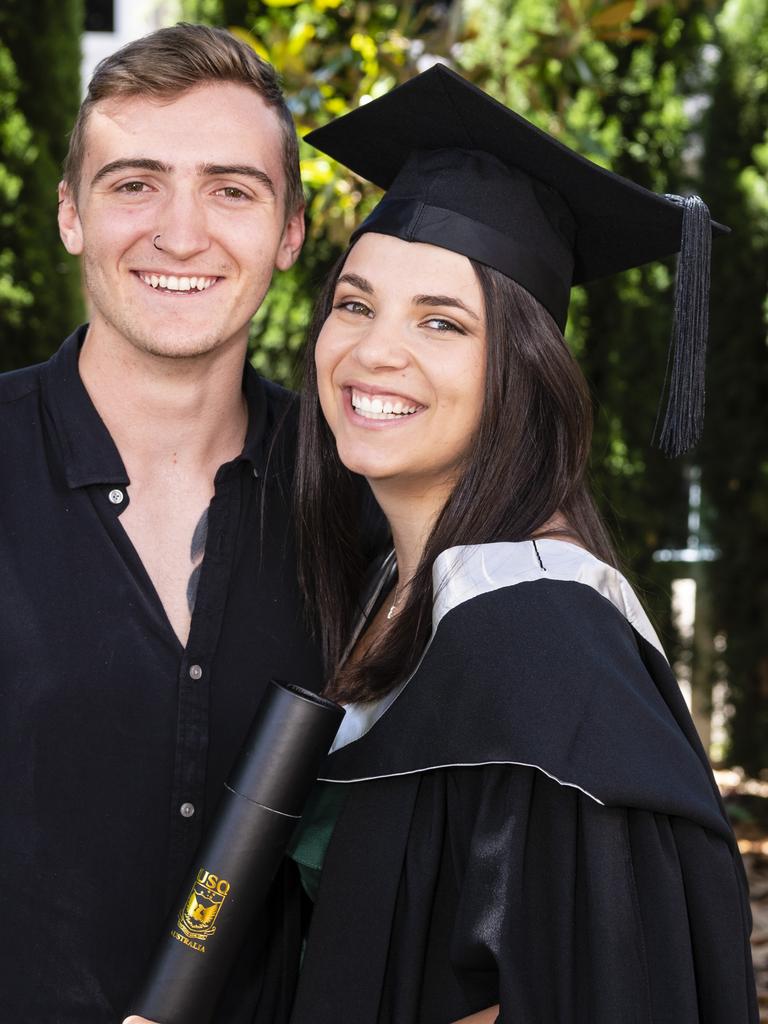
372 465
372 471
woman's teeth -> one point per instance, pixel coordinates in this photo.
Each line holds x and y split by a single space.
380 408
177 284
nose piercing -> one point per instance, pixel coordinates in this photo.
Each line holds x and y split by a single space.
154 242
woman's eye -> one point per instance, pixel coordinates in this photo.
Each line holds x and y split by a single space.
437 323
352 306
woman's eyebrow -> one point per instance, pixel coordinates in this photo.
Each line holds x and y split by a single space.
357 282
443 300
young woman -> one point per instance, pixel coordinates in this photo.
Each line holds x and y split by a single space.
517 821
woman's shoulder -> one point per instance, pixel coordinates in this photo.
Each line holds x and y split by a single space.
550 576
541 657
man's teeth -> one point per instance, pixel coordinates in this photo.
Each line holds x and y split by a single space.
380 409
177 284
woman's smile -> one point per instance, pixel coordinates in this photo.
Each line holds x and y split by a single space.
376 407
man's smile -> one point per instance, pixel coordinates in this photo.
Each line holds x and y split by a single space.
176 282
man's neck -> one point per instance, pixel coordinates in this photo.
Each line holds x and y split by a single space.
184 415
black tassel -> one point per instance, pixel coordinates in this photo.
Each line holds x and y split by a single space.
684 377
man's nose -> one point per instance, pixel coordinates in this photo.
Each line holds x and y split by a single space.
182 229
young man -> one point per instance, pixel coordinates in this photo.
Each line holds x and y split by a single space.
149 588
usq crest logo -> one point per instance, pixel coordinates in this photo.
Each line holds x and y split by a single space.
197 919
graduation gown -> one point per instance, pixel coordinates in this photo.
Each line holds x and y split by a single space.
531 820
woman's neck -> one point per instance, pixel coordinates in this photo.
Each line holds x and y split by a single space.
411 513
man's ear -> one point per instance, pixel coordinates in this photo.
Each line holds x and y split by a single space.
70 228
292 240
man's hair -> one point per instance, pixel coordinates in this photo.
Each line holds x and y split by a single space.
172 61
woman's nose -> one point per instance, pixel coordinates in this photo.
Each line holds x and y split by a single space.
382 345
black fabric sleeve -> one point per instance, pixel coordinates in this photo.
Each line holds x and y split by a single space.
595 915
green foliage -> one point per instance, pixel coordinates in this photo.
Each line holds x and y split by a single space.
16 153
733 455
41 281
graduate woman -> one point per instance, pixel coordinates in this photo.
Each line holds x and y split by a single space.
517 822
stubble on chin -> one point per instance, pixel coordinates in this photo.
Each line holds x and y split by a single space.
125 321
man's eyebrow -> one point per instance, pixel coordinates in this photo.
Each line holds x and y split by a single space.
130 164
443 300
246 170
204 170
357 282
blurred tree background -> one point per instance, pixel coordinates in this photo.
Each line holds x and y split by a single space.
672 93
39 95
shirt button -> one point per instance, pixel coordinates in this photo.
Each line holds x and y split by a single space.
195 672
116 496
187 810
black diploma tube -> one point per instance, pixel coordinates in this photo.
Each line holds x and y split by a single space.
239 854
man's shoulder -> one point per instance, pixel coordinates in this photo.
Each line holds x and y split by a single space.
21 422
17 384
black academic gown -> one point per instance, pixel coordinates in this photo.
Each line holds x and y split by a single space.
531 820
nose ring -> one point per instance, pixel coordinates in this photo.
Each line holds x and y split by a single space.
154 242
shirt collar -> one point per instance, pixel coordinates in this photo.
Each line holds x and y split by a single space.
89 454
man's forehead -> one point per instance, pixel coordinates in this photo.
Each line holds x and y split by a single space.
213 122
228 93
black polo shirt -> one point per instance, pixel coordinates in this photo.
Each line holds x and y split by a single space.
114 740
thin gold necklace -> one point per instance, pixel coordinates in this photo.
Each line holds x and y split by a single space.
393 606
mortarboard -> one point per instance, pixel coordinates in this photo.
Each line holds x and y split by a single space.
463 172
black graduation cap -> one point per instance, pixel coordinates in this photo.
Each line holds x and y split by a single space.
465 173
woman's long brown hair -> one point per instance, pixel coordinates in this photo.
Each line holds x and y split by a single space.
525 466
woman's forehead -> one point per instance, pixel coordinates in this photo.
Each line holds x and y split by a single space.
387 261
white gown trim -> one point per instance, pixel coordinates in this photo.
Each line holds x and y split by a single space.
462 573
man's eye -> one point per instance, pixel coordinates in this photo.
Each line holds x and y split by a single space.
352 306
132 187
230 192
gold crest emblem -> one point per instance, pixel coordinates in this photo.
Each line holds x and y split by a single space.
203 904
